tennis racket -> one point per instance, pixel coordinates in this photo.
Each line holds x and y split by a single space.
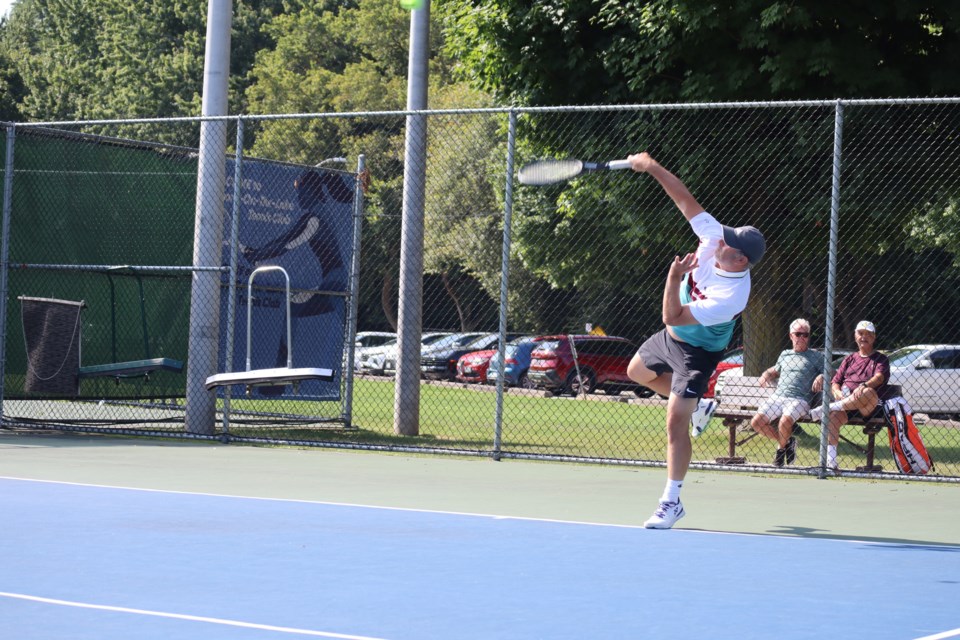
544 172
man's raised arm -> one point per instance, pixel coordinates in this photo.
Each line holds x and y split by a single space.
678 192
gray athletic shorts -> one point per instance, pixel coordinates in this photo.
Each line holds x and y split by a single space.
691 366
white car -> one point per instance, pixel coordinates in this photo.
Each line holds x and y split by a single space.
366 341
371 360
374 359
929 377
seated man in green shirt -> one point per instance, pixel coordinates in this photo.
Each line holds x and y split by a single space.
799 372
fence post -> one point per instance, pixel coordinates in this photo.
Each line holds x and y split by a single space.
354 290
232 285
504 281
831 282
204 334
5 256
406 402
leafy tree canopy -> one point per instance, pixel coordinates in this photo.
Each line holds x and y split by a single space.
549 52
770 168
89 59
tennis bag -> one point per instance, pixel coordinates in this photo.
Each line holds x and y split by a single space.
906 445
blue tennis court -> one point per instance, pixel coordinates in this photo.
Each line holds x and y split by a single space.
86 561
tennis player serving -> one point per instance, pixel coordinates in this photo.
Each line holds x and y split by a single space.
704 293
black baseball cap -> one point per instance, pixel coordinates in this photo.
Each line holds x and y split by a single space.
747 240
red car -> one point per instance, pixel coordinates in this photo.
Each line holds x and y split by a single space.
472 367
602 361
732 360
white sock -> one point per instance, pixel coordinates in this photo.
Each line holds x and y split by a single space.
835 406
671 492
831 454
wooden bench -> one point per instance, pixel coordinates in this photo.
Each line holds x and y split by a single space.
741 396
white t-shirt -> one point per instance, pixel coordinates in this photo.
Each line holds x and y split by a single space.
715 297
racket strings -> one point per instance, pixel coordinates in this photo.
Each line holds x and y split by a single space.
549 171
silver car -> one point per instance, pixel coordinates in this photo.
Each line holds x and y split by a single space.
929 377
370 342
388 363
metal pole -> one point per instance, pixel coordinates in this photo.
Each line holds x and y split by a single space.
286 277
232 286
504 281
354 290
5 256
204 333
406 402
831 283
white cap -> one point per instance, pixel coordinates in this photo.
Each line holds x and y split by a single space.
866 325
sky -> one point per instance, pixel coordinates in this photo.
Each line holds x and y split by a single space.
5 7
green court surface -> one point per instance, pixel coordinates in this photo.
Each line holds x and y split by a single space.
882 511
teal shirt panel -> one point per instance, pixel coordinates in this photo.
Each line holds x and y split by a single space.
797 371
712 338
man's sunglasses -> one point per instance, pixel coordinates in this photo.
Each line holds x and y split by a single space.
800 334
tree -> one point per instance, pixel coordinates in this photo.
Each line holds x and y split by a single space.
11 87
353 57
549 52
773 172
105 59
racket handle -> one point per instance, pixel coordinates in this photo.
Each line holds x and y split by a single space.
618 164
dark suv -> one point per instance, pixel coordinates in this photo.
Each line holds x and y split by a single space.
602 360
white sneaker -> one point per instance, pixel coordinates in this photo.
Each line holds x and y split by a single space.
816 414
665 516
701 416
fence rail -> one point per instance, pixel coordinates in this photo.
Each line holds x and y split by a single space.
858 200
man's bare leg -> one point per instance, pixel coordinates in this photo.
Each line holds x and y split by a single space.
785 430
639 373
679 449
761 424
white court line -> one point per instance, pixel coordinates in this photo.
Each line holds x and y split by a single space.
332 504
446 513
954 633
181 616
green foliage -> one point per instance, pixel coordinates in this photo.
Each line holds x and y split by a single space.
774 173
352 57
939 227
101 59
11 87
549 52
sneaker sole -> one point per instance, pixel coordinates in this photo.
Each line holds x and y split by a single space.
696 433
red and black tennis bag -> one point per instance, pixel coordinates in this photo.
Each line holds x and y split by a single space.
906 445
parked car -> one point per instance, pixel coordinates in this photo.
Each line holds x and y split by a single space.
371 360
929 377
369 340
442 344
377 359
440 362
516 363
602 362
473 366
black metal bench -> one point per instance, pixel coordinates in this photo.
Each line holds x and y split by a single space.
52 337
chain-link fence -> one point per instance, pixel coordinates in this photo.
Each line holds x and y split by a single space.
533 299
